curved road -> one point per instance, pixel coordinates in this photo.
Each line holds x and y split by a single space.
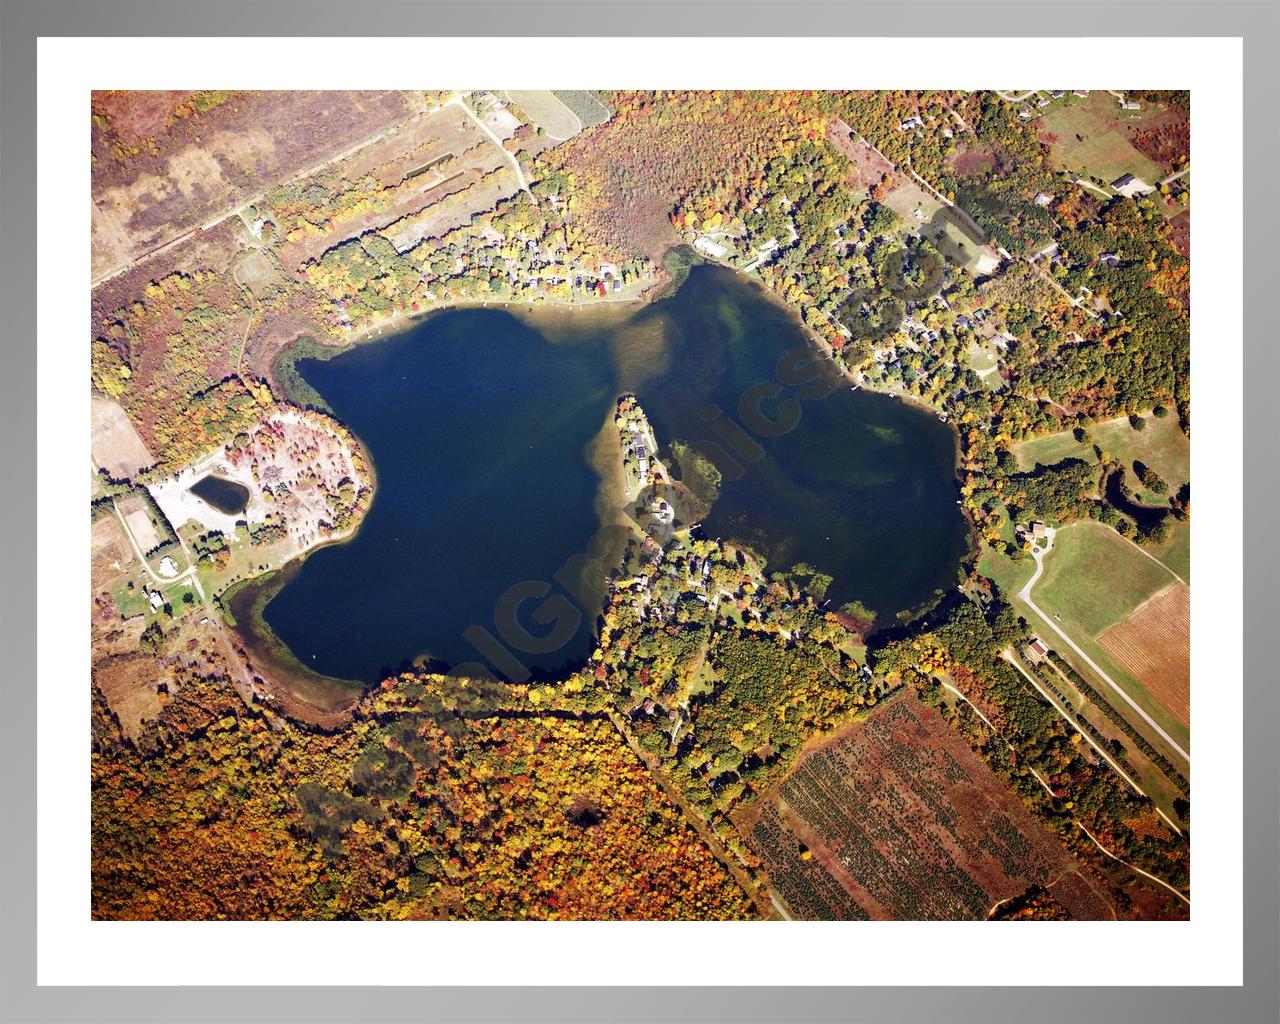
457 101
1025 595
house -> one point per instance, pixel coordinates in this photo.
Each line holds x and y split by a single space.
1057 94
1082 93
156 600
1037 650
1048 250
1043 199
1038 530
1130 186
1129 105
911 122
1109 258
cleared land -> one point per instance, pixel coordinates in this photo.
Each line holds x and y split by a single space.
1092 137
898 819
1094 578
869 167
1161 445
548 112
115 445
589 108
156 181
1154 646
143 529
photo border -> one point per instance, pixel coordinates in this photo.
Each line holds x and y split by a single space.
23 22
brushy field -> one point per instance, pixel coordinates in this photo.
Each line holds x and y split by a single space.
899 819
1092 138
1154 646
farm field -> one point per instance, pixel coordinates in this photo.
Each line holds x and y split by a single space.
1092 138
548 111
1094 578
1161 444
1153 644
898 818
587 107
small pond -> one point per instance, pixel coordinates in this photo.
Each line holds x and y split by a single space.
225 495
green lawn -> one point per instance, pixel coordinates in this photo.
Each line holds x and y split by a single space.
1176 551
129 602
174 598
1103 149
1161 445
1093 578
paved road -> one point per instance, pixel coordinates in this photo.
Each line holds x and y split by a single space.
1025 595
1012 660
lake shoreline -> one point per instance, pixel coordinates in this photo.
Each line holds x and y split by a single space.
602 457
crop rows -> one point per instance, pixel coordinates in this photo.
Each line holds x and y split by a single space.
904 817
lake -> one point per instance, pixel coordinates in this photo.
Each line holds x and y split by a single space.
491 435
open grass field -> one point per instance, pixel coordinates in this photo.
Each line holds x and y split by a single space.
1094 578
897 818
1092 138
548 111
1154 646
1161 445
1175 553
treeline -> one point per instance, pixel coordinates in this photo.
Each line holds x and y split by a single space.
966 645
1138 740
